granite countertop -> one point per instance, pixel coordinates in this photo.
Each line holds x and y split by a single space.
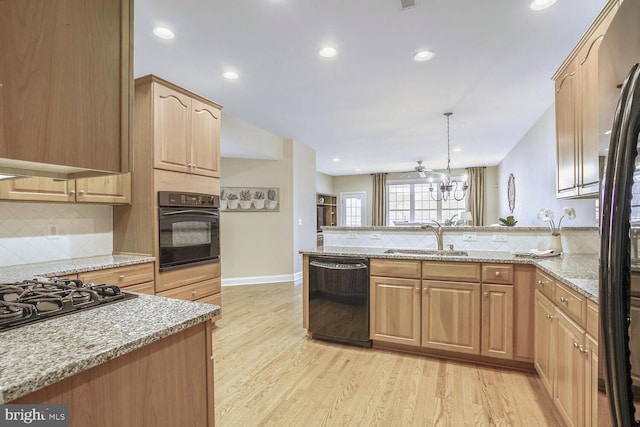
450 228
579 271
27 353
87 338
70 266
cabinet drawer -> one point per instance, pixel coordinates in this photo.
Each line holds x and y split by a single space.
573 304
194 291
545 284
121 276
593 327
213 299
395 268
497 273
142 288
456 271
183 276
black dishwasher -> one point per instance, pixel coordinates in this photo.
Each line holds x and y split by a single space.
339 299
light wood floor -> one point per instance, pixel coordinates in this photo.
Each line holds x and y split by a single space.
268 373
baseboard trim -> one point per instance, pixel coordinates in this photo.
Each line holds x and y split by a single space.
259 280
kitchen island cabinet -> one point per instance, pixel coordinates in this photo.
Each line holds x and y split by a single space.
143 361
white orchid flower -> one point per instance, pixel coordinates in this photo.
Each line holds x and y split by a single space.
546 214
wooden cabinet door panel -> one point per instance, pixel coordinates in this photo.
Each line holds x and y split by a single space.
544 340
497 321
566 132
111 189
569 387
205 139
38 189
395 310
591 382
172 129
451 316
66 77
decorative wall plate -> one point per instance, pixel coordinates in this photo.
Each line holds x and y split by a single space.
511 192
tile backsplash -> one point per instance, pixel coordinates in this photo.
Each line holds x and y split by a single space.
27 231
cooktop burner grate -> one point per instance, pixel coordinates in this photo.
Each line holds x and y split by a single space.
31 301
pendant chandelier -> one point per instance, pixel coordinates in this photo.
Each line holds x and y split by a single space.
448 188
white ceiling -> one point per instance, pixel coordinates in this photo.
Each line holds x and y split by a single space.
372 106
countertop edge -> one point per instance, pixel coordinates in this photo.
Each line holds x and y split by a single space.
574 283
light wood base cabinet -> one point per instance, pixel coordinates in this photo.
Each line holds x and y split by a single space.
566 357
167 383
451 316
395 308
497 321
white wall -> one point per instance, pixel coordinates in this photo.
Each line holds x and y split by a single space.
83 230
261 247
324 183
491 196
533 164
304 201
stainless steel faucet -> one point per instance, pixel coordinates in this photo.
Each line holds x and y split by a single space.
437 230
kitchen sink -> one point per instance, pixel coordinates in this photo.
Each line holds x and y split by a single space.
426 252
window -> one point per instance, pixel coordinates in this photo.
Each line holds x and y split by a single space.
410 201
352 209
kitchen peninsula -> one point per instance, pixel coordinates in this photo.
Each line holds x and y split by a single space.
482 305
140 361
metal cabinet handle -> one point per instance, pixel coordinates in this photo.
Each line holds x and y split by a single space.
425 290
417 288
81 192
576 345
486 294
549 316
541 282
121 277
193 293
497 274
563 299
72 192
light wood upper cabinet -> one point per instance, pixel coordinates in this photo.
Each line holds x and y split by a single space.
66 77
451 316
577 111
186 130
497 321
109 189
566 132
395 310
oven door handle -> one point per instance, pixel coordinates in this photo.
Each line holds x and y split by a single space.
191 211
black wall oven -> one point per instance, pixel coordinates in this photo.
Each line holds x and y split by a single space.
189 227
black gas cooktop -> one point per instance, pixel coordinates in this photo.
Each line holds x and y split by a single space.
35 300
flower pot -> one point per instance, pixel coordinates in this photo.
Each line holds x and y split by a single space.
232 204
271 204
223 204
245 204
556 243
258 203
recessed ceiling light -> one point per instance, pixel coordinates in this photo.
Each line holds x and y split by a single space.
423 55
541 4
163 33
335 159
358 169
230 75
457 149
328 52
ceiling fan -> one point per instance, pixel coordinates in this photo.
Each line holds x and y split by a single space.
422 169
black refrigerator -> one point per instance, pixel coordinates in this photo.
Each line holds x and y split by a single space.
619 293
